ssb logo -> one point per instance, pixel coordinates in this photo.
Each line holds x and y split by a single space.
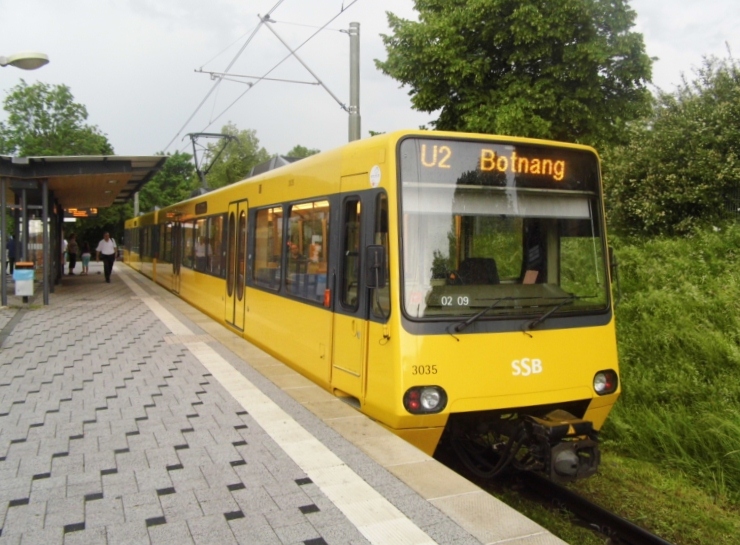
525 367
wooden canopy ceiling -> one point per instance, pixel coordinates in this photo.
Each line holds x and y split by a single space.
90 181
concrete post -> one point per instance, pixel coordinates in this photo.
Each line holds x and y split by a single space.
354 82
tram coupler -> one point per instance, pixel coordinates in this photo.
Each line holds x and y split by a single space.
567 445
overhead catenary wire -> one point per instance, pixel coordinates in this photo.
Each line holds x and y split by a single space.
224 75
293 52
308 26
225 49
264 76
213 88
218 82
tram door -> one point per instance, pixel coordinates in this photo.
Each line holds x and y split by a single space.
350 318
177 241
236 264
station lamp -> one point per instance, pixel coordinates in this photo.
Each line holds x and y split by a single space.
27 60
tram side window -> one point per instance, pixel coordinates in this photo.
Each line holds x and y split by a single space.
216 247
140 242
166 243
380 298
351 254
201 244
307 255
156 248
268 248
148 252
188 231
151 242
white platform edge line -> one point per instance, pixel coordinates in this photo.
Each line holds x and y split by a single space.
373 515
379 520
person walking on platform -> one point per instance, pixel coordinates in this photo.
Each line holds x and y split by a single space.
72 250
107 248
85 258
11 254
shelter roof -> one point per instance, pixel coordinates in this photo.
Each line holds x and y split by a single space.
86 181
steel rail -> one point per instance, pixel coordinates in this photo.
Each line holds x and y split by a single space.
615 527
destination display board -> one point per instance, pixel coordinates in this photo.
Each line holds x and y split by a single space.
80 212
502 164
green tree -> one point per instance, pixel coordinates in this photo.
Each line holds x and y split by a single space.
237 159
44 119
568 70
302 152
174 182
681 167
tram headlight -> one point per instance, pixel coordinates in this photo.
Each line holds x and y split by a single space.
605 382
425 399
430 399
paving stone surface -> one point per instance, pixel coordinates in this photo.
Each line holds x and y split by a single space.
110 434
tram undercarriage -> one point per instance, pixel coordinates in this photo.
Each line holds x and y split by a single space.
550 441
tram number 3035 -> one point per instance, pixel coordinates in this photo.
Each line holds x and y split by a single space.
423 369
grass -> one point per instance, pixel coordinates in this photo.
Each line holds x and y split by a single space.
678 329
663 501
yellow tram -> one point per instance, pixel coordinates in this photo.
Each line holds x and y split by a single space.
441 283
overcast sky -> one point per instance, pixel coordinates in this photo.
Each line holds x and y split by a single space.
132 63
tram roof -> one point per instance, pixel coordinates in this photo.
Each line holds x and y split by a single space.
83 181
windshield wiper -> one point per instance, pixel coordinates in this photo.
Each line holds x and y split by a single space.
462 325
528 326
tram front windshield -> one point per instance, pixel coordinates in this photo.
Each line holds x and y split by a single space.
510 226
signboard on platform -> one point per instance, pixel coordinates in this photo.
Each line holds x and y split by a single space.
80 212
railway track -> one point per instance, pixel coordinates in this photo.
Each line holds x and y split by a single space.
619 530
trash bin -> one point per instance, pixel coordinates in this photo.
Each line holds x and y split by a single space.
23 276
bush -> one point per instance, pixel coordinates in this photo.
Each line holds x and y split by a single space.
682 166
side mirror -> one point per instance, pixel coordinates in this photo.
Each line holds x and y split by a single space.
375 265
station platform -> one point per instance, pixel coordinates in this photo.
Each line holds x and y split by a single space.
129 417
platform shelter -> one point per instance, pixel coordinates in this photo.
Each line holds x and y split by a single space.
38 191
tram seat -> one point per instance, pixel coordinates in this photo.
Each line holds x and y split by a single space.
479 270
